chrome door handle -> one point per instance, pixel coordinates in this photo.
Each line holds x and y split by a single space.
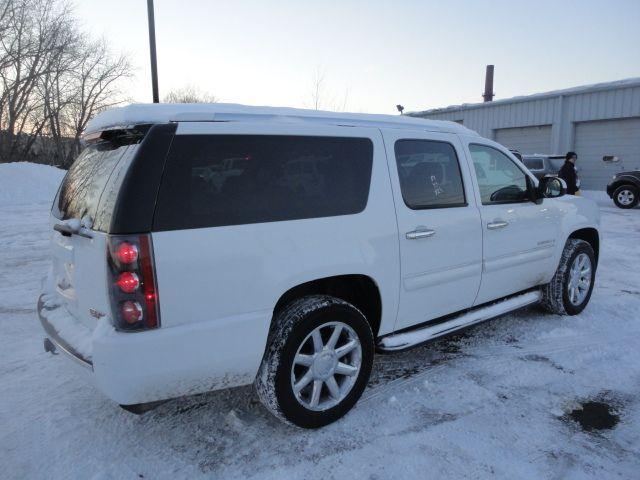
416 234
496 225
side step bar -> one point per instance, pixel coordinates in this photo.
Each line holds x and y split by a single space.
411 338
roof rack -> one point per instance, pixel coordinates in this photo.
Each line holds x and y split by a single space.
224 112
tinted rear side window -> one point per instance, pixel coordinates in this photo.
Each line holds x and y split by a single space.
217 180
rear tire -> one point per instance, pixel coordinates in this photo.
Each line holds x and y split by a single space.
307 377
570 289
626 196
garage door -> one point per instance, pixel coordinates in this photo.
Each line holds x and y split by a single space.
593 140
526 139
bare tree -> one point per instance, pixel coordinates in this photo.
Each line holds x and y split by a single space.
189 94
53 79
95 86
322 98
317 88
36 33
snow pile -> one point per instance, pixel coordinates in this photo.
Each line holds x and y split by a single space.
27 183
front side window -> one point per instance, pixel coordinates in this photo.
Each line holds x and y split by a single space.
217 180
499 179
429 174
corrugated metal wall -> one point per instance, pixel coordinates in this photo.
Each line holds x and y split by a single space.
561 111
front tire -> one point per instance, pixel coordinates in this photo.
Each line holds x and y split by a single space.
317 362
570 289
626 196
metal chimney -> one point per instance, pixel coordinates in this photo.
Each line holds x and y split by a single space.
488 84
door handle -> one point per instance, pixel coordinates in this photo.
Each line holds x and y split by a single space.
497 224
417 234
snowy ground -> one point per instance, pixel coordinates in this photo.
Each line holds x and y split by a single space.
490 403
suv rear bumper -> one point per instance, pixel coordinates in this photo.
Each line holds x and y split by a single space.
59 343
142 367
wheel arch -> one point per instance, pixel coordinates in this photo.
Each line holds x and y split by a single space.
360 290
589 235
625 180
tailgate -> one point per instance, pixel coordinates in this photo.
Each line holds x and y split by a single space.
78 279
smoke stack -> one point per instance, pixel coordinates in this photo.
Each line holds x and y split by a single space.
488 84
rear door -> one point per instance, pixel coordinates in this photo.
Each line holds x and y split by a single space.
519 235
439 225
247 211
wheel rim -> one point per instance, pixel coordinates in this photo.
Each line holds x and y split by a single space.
326 366
579 279
626 197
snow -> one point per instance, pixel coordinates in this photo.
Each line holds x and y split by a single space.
169 112
491 403
24 182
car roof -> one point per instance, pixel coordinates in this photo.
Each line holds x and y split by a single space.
150 113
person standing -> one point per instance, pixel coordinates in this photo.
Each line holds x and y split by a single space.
569 174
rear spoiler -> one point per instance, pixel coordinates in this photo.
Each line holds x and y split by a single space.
131 133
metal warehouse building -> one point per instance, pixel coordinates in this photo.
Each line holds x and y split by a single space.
594 120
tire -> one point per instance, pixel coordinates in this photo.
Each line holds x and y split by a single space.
556 296
626 196
292 338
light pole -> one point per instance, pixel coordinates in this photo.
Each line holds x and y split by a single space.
152 51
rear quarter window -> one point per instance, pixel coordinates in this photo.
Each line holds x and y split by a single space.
219 180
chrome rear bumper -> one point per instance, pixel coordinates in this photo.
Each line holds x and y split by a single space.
54 344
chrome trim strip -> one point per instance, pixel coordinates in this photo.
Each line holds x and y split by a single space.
58 342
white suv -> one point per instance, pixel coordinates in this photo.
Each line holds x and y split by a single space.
175 274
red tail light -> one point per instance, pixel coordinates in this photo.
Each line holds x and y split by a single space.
149 287
127 253
131 312
128 282
134 296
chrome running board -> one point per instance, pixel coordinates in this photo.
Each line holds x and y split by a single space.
411 338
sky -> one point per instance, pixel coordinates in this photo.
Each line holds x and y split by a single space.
371 55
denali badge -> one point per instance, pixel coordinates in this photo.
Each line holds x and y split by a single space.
95 313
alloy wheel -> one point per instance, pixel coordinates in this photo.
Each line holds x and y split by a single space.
326 366
579 279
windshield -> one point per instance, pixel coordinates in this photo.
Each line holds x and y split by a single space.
83 188
533 163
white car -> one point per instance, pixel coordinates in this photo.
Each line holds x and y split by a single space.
165 284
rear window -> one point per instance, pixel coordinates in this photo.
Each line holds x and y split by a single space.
218 180
533 163
83 193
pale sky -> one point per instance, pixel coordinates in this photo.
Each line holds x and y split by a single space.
374 54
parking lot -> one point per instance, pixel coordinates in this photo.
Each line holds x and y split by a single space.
501 399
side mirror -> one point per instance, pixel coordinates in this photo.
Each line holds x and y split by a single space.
610 159
551 187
